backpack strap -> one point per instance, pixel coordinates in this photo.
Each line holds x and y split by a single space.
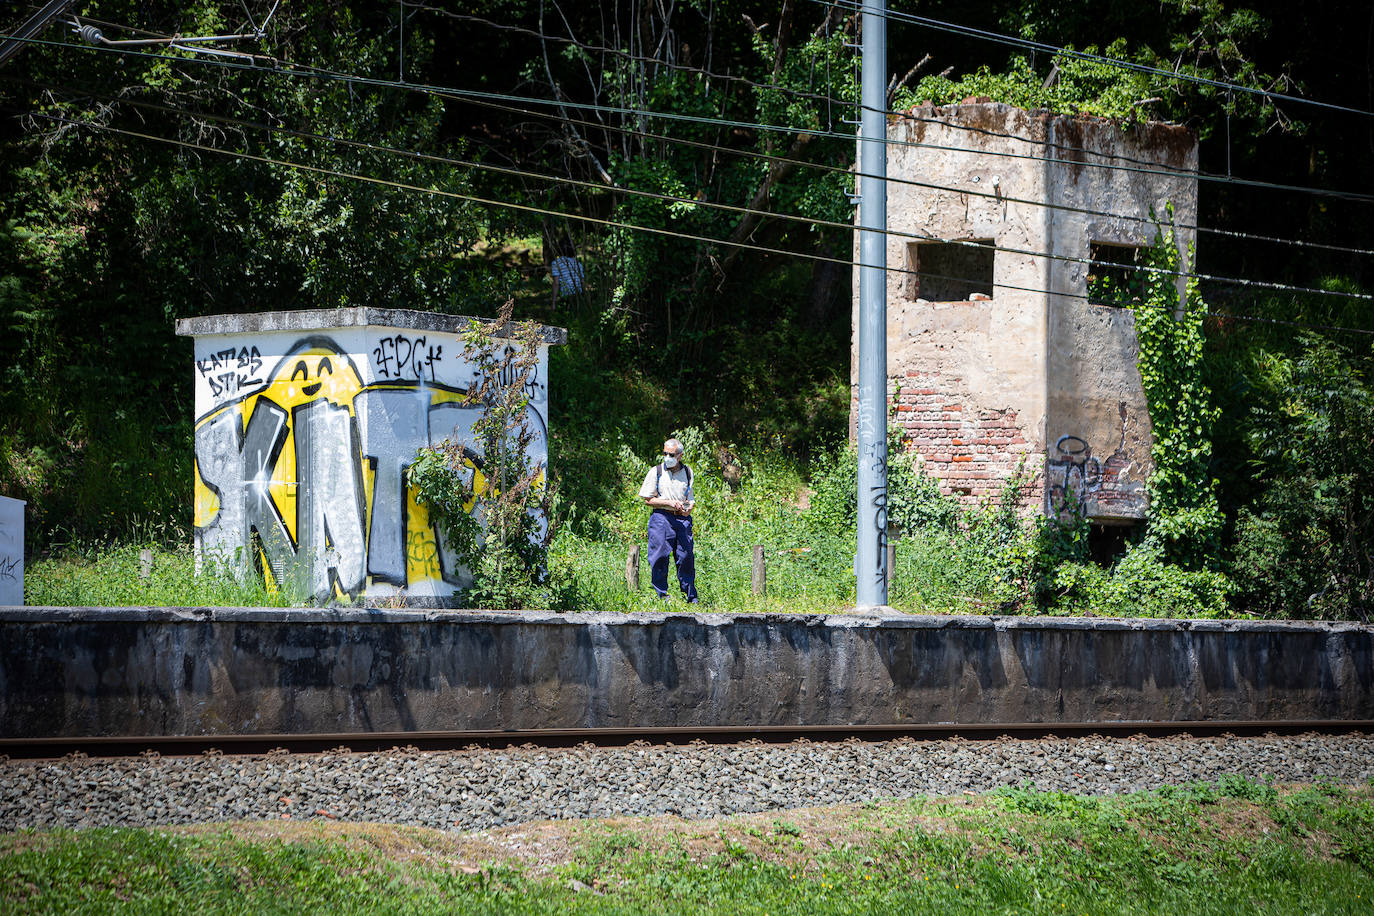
658 477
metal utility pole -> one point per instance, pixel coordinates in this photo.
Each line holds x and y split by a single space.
870 564
34 25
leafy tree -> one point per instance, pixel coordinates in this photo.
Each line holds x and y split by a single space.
107 237
1305 547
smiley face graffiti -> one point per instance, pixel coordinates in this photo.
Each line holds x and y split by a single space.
303 477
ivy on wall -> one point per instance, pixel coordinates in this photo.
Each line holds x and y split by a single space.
1184 519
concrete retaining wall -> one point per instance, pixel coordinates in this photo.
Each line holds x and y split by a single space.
196 671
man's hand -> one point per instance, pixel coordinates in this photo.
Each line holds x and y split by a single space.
675 506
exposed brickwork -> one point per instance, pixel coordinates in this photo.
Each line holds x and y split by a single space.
973 452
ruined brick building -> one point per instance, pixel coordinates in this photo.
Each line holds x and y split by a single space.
997 356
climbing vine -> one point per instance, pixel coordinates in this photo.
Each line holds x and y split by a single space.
1184 520
493 503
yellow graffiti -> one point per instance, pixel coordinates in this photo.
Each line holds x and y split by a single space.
422 551
322 373
312 375
206 502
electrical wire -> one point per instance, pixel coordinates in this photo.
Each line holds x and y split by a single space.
1032 45
802 94
911 182
633 58
1238 281
234 154
690 201
675 199
472 94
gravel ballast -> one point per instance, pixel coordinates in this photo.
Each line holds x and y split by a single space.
476 789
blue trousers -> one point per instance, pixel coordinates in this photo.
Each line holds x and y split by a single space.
671 536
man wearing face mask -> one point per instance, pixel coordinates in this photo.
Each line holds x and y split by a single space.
668 491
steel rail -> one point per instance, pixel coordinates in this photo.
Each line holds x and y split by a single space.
54 747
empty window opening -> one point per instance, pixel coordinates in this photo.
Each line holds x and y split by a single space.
952 271
1109 540
1114 275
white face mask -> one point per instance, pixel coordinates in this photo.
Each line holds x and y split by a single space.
670 461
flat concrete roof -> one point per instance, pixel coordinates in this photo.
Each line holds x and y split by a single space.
316 319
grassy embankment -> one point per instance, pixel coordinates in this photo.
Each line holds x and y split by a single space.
809 559
960 561
1234 847
952 560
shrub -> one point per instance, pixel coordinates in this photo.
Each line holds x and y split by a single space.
1303 548
494 505
914 501
1144 584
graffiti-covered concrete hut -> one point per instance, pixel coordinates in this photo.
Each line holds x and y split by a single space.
306 422
999 355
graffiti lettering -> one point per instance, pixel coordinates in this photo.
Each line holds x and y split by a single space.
237 470
402 357
9 568
303 481
231 371
451 421
866 426
329 503
395 421
423 553
1071 475
1076 481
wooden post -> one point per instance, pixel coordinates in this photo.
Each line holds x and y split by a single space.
145 564
891 557
760 577
632 569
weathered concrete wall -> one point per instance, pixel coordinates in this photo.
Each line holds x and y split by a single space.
11 551
114 671
1029 374
1097 427
305 425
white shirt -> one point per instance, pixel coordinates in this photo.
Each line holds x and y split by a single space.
672 485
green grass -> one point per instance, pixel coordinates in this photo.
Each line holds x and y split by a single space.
1233 847
113 577
984 564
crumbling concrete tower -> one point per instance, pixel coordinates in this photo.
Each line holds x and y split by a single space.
998 356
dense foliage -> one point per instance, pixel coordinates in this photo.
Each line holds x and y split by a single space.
1184 520
1303 545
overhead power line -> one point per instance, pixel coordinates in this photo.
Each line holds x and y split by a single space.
403 186
39 20
1032 45
731 208
295 70
911 182
809 95
694 202
786 90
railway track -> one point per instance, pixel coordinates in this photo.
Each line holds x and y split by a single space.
189 745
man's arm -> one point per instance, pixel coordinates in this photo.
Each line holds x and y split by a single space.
676 506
